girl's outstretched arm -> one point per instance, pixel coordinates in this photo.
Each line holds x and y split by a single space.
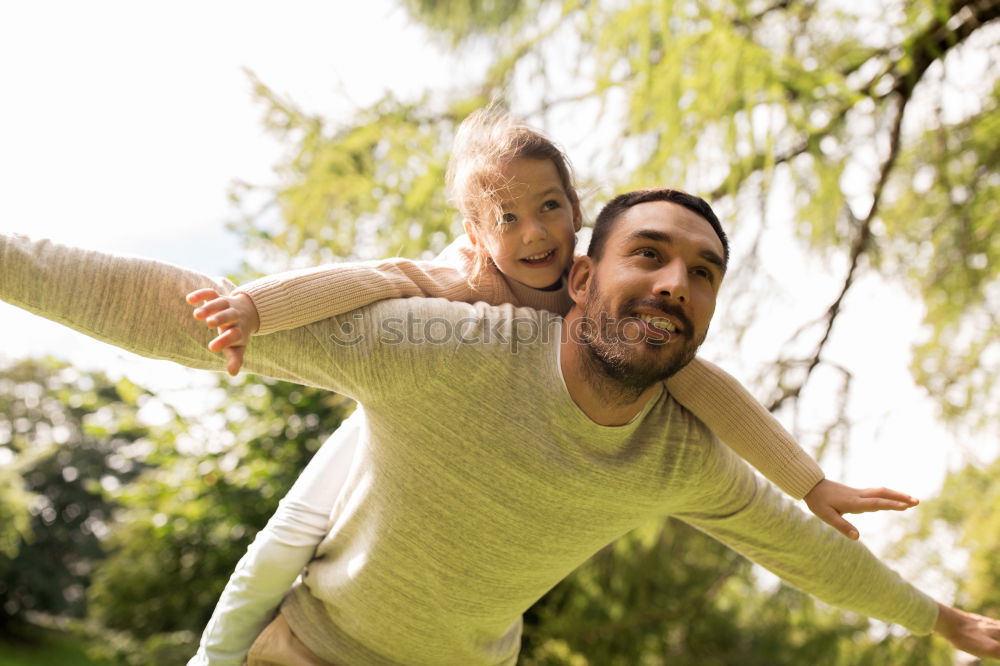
739 420
735 416
297 298
279 552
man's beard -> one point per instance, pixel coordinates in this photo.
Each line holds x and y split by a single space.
616 360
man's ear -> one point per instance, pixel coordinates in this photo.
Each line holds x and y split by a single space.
578 281
470 231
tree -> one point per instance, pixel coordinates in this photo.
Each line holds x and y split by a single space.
133 530
69 437
966 511
189 518
666 594
847 115
839 110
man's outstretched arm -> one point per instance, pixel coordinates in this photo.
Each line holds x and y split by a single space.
751 516
138 304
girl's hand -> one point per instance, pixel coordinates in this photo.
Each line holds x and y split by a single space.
829 500
236 319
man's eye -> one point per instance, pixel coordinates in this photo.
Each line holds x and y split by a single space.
647 253
707 274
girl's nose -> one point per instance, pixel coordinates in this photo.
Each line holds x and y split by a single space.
533 231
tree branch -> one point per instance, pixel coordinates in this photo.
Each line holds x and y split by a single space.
937 38
860 244
928 46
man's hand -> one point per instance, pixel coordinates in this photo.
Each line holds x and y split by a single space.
829 500
236 319
969 632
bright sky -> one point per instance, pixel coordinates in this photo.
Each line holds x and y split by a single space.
124 123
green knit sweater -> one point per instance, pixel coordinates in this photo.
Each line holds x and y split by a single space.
479 484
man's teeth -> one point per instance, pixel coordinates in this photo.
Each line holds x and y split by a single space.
539 256
659 322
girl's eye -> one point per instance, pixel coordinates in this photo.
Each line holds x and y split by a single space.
508 218
551 204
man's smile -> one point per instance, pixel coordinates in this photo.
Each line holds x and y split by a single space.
658 322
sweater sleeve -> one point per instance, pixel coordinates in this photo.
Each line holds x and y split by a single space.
729 503
735 416
296 298
279 552
138 304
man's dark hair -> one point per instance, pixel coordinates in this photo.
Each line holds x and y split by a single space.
613 209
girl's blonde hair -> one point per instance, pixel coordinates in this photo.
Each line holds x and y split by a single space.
486 141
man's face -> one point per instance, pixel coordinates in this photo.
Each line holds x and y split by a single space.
651 296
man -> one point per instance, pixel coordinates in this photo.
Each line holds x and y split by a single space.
485 476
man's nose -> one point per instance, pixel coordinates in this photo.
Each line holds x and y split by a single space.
672 280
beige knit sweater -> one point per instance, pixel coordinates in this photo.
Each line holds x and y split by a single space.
478 483
296 298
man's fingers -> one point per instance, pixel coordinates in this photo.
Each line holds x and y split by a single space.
889 494
976 634
987 636
200 295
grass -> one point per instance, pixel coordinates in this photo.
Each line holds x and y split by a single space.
46 648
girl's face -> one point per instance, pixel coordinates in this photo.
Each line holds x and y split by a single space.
534 241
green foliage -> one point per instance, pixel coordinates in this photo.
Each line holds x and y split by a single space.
722 98
190 519
42 648
70 436
967 505
966 512
945 239
374 187
15 516
139 526
725 99
459 19
667 594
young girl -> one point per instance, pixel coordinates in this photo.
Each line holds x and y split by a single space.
514 189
